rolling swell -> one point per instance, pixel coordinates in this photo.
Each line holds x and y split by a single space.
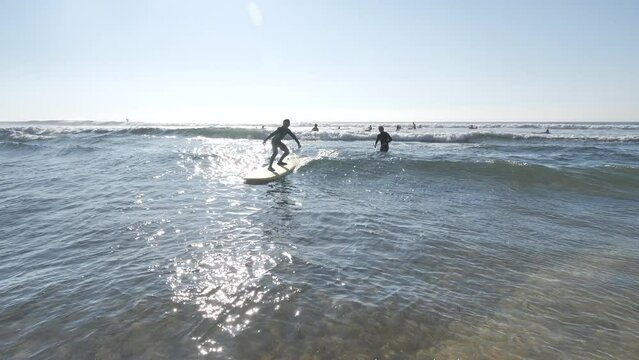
208 132
600 180
466 137
32 133
40 133
477 137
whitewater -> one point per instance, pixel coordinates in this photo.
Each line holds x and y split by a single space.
139 240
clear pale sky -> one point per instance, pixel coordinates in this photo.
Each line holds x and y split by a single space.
319 60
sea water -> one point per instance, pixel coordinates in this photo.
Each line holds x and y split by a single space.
142 241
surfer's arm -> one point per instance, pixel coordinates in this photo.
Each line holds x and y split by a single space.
390 138
268 137
294 138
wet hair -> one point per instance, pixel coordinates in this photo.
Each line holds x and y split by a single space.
286 121
381 128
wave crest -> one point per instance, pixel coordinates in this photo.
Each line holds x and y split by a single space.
32 133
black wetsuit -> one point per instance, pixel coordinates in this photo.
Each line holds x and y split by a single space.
384 138
276 143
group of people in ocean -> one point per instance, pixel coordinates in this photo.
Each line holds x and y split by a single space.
397 127
383 138
278 135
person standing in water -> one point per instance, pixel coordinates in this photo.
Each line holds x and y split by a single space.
276 143
384 139
315 128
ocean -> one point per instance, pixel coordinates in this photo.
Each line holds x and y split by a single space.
141 241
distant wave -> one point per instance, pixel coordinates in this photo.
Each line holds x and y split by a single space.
22 134
41 133
543 126
487 136
31 133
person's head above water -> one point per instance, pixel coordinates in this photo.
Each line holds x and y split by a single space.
381 128
286 122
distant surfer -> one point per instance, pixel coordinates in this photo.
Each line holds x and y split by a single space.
315 128
414 126
277 136
369 128
547 131
384 139
399 127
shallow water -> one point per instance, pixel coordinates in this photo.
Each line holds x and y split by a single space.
494 243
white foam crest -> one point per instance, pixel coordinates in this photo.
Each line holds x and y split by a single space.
461 137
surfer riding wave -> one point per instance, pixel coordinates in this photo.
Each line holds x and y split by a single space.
276 143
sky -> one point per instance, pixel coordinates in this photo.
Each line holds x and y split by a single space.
235 61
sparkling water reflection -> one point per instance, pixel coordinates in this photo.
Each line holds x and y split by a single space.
134 244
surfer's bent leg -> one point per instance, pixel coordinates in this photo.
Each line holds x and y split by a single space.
275 145
285 149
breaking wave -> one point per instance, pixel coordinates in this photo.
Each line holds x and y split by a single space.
34 133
